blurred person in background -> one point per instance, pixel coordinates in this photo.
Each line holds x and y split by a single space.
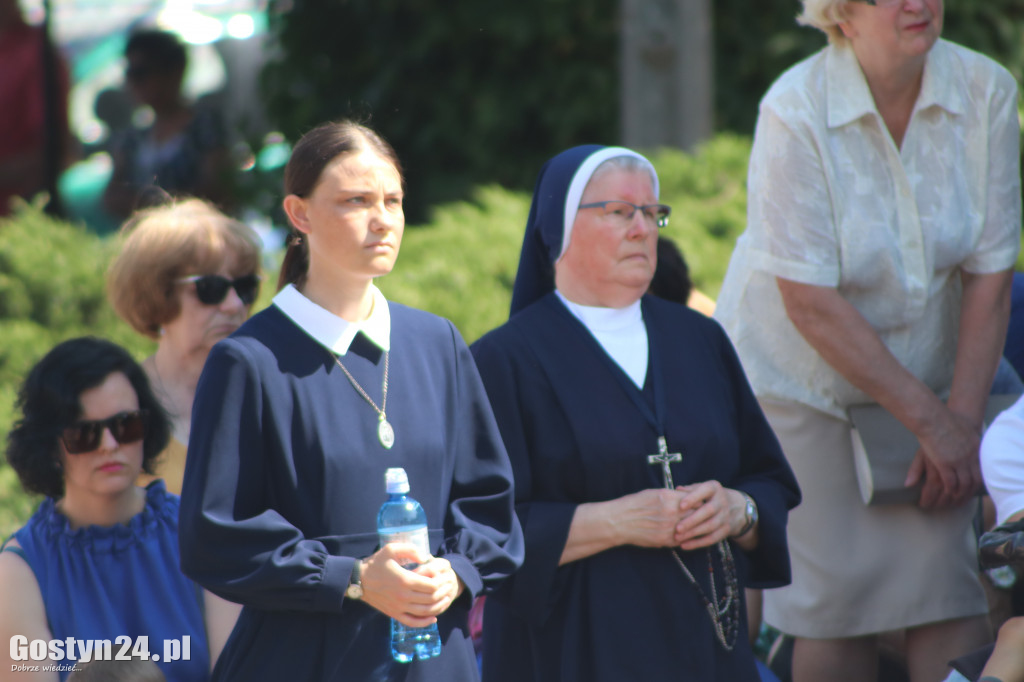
184 151
186 276
35 140
1002 467
672 279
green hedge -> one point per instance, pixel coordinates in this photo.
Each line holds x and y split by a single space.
469 93
51 289
459 264
474 93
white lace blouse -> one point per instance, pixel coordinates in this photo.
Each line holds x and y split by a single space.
833 202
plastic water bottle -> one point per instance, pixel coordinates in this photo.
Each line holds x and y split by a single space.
402 519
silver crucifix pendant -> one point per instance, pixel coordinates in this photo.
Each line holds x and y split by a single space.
664 458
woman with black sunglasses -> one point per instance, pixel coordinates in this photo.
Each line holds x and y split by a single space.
99 558
187 275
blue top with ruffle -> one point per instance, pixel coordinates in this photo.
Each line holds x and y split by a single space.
120 583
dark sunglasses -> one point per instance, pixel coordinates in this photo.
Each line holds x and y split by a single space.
211 289
85 436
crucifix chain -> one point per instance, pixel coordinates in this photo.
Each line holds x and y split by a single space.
724 610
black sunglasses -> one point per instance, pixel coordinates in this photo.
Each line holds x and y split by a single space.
85 436
211 289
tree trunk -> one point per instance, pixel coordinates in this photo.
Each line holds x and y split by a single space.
666 68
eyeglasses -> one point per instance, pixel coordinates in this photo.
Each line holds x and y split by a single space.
623 211
85 436
211 289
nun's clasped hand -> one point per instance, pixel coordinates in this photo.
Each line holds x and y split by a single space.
711 513
412 597
648 518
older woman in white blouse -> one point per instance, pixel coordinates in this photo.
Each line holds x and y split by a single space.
883 223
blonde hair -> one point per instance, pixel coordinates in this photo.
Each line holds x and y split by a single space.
824 15
165 243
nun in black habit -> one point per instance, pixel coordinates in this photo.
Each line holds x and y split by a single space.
650 488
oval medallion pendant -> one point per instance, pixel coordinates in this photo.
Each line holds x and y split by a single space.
386 434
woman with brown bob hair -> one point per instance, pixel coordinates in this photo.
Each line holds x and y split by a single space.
186 275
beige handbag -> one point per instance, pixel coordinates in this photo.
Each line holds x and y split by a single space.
883 449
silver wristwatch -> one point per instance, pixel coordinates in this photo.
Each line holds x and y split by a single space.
355 585
750 513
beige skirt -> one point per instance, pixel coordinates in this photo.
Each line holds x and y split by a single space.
859 570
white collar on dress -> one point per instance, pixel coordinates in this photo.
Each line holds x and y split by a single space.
609 320
331 331
849 97
621 332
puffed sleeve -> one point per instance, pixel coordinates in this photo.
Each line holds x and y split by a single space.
232 541
483 539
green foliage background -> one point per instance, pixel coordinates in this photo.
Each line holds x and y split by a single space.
473 93
51 288
475 97
469 93
460 264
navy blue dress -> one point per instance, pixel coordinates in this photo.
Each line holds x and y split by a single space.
285 475
574 435
103 582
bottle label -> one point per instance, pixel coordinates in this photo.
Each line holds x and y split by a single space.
416 536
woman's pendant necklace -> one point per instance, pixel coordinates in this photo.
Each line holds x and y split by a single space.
385 432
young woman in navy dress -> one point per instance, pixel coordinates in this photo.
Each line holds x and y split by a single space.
298 415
